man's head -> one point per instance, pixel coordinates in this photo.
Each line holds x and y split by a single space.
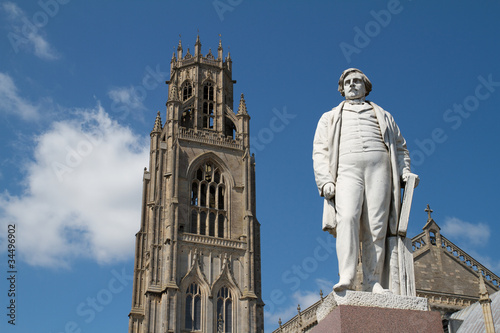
350 76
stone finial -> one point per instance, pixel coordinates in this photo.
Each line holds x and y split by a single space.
321 295
197 46
243 106
279 322
210 55
300 315
157 127
483 292
179 49
219 49
429 211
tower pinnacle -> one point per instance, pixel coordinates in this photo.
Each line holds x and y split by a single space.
197 46
157 127
485 301
219 49
243 107
179 50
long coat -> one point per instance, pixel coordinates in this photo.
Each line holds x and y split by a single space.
326 153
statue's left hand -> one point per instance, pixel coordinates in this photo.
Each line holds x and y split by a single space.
405 177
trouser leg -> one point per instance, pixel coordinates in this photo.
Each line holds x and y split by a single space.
348 202
374 219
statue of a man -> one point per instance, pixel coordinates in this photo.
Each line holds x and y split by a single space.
360 161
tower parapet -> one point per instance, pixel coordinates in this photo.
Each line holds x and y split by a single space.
200 99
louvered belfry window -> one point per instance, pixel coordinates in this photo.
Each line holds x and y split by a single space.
208 202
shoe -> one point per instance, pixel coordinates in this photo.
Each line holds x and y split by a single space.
378 289
342 285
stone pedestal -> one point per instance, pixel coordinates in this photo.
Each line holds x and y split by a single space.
355 311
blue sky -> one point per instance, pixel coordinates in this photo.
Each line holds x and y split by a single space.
80 85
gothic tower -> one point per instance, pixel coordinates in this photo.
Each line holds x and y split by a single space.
197 263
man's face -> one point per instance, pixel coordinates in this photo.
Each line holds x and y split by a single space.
354 87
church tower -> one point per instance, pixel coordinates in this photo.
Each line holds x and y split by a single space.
197 262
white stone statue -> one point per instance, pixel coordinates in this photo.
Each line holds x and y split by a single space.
360 162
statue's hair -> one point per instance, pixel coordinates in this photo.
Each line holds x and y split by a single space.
366 81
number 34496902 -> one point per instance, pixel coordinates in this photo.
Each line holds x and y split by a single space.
11 238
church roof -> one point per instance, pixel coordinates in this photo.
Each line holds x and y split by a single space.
444 270
473 319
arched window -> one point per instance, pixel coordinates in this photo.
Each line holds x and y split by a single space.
208 202
211 196
187 90
203 194
194 194
208 116
211 115
203 223
432 237
220 200
192 320
224 311
211 224
194 222
208 91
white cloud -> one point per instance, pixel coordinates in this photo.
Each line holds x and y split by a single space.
325 285
26 34
82 192
126 96
476 234
12 103
128 101
493 264
303 298
471 236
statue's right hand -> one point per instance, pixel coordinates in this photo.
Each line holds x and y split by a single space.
328 190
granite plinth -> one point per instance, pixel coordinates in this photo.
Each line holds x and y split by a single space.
366 299
352 318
